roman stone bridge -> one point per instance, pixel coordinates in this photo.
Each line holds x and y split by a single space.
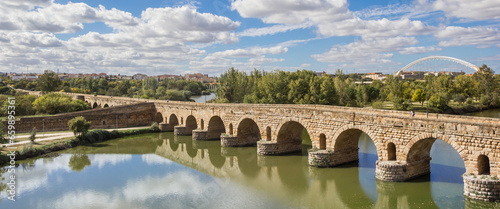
403 142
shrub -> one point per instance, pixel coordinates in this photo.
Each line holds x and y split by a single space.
79 125
439 101
155 127
469 101
33 135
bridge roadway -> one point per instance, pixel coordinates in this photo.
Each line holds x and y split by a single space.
403 142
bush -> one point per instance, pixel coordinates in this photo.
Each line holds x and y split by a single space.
439 101
485 100
155 127
469 101
459 98
54 103
377 104
79 125
33 135
401 104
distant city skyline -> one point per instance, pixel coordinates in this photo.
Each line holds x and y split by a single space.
182 37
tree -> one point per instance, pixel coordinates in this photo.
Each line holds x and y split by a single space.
79 126
33 135
49 81
419 96
439 101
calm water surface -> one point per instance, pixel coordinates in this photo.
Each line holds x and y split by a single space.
167 171
203 98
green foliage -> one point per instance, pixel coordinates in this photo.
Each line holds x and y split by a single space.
460 98
419 96
48 81
377 105
439 101
78 162
469 101
485 100
401 104
79 125
54 103
155 127
33 135
3 140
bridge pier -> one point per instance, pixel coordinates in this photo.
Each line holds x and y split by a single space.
390 171
235 141
330 158
165 127
182 131
200 135
482 187
276 148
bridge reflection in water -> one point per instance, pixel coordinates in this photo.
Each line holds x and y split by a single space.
291 180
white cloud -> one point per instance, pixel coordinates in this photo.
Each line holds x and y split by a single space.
419 50
365 51
332 18
252 32
252 52
374 28
478 9
159 40
481 37
292 11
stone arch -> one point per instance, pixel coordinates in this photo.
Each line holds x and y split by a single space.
172 120
158 117
215 127
182 120
95 105
391 151
191 123
202 124
103 122
322 141
290 136
248 131
268 134
346 142
483 165
106 105
417 153
420 137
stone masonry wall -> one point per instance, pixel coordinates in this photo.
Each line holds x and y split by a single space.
113 117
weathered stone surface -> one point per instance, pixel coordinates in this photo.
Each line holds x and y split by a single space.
141 114
482 187
397 136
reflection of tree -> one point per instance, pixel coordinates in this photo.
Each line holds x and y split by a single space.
78 162
3 180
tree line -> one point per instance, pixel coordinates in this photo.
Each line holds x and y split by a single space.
306 87
150 88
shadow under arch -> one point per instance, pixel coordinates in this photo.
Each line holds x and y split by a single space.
106 105
248 131
172 120
158 117
191 124
215 128
292 135
95 105
346 144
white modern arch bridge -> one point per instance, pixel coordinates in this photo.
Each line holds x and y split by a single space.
437 58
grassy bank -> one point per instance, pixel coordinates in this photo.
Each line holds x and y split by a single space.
38 149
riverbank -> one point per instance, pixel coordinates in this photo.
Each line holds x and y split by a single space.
36 149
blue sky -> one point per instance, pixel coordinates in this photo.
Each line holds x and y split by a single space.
178 37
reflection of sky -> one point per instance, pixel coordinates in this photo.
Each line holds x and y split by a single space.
144 181
36 177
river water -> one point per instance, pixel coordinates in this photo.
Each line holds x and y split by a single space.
203 98
167 171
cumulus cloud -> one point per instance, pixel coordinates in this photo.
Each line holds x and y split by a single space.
332 18
365 51
419 49
252 32
160 39
252 52
478 10
481 37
